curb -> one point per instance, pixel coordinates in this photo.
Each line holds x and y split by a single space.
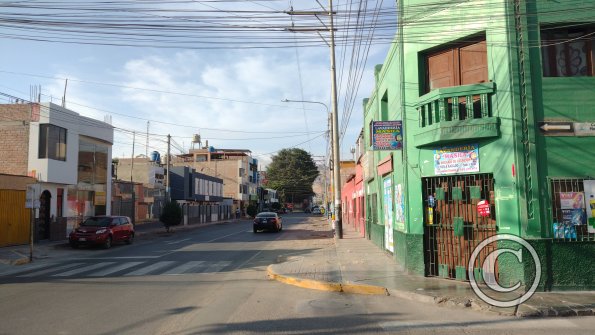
327 286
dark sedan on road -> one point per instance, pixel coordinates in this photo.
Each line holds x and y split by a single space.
268 221
103 230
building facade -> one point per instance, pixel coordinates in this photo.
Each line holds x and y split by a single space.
236 167
68 154
496 130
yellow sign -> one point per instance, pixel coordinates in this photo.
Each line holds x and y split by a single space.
99 198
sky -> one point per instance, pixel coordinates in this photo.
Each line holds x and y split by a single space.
231 97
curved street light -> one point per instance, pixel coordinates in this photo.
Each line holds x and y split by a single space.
335 172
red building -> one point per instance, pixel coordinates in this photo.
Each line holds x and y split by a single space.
352 198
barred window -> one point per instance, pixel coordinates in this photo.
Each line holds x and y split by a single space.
571 208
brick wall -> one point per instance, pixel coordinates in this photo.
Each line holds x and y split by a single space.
14 136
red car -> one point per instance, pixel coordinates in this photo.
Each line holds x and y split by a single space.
103 230
268 221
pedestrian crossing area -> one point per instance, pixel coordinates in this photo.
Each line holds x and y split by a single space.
122 269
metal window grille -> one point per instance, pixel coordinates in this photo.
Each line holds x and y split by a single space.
569 224
453 226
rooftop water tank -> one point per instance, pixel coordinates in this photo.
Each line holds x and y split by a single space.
155 157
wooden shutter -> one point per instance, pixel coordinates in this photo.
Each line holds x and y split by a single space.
441 70
474 63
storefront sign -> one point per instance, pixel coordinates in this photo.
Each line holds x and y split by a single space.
456 159
387 135
483 208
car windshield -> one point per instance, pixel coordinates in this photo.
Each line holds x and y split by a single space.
266 215
97 222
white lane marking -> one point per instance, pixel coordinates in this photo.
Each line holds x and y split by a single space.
181 269
117 257
150 268
216 267
179 241
83 269
51 269
114 269
218 238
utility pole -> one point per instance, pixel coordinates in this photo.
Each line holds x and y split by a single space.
334 116
167 189
336 158
131 180
147 145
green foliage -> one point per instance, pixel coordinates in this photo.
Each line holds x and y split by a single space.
252 210
171 215
292 173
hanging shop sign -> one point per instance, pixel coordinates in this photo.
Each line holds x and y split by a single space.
483 208
387 135
456 159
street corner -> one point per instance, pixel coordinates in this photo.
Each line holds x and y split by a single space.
352 288
301 282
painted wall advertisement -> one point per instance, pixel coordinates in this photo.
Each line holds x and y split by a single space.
589 186
387 135
456 159
399 208
388 214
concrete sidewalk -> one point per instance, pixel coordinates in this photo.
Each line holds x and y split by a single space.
19 254
355 265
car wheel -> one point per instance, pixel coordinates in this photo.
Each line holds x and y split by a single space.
108 243
255 230
130 239
280 227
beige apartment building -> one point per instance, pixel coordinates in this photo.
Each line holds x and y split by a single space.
236 167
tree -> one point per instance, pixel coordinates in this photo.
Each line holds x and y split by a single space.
252 210
171 215
292 172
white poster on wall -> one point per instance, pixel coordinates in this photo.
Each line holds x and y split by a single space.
589 186
388 214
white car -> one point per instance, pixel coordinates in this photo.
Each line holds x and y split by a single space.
316 211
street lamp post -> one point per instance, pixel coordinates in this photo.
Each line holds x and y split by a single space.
335 170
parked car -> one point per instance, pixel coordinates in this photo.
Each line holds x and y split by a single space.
316 211
267 221
103 230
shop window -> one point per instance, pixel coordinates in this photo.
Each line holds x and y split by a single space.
573 209
568 51
52 142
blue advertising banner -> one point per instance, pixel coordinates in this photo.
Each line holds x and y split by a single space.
387 135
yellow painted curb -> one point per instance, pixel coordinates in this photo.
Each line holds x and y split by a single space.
327 286
364 289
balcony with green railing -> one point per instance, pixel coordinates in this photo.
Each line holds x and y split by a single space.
456 113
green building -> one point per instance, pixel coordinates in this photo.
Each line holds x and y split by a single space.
496 103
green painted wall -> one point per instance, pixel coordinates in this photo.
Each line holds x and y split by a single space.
522 199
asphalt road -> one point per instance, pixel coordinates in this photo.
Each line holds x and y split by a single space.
212 280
